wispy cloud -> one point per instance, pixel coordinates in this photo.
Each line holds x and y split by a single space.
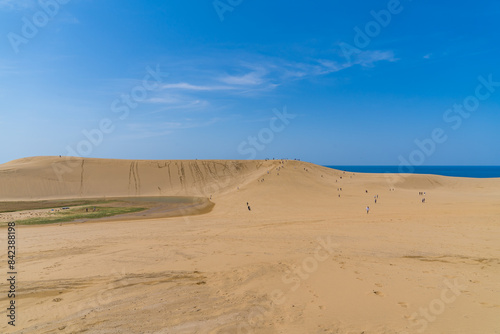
164 100
225 80
322 67
249 79
369 58
187 86
177 101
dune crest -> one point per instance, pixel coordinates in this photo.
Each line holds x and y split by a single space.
36 178
54 177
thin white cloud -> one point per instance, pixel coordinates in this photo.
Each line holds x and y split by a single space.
330 66
177 101
249 79
264 74
187 86
164 100
369 58
201 89
320 67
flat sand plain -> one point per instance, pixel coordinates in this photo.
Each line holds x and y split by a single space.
302 260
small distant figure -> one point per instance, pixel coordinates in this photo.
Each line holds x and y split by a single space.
249 208
339 195
86 209
375 201
367 210
423 200
247 203
366 191
94 209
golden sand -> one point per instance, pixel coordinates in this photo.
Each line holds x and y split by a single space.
302 260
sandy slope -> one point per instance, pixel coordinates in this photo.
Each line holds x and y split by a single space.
48 177
303 260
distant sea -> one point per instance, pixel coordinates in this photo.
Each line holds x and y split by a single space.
460 171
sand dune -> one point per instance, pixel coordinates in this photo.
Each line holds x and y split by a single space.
49 177
303 260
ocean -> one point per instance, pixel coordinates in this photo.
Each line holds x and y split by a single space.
457 171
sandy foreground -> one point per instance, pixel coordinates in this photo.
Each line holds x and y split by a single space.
303 260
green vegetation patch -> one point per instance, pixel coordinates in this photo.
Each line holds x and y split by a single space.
70 215
47 204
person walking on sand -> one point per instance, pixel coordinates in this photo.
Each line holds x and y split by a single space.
367 210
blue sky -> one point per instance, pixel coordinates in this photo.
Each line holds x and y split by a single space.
330 82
